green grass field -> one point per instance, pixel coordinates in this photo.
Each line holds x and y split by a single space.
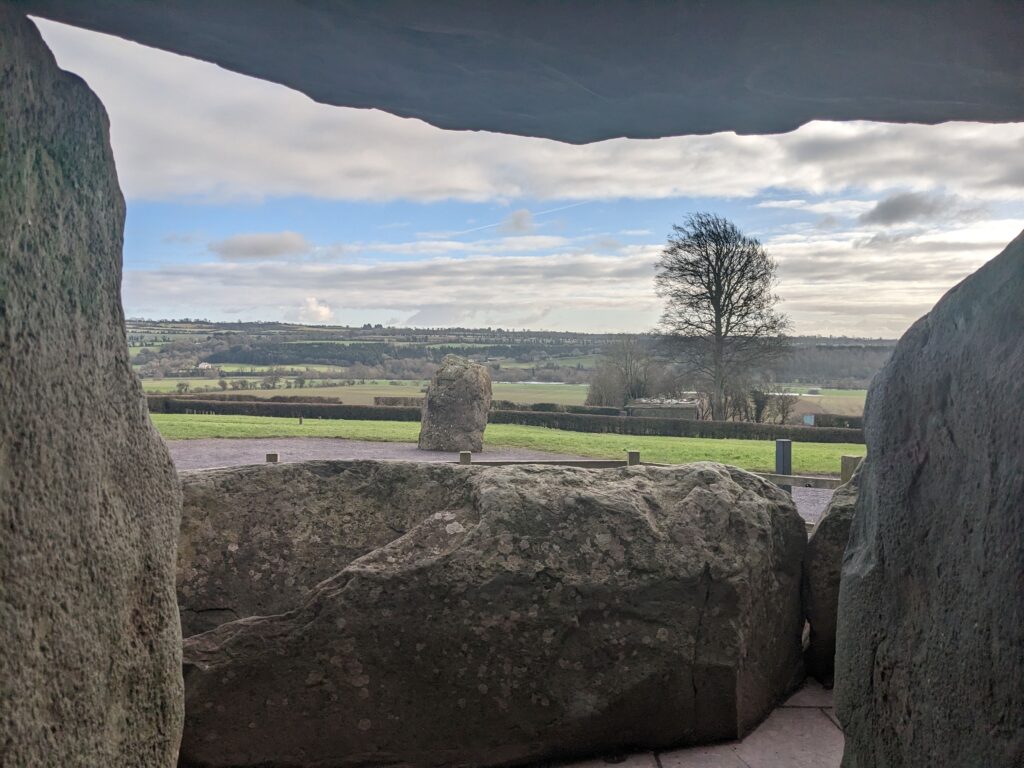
808 458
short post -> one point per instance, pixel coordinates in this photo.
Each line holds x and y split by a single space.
465 457
632 458
784 460
300 418
272 458
848 465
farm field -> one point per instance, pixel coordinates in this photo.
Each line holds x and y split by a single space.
363 394
808 458
583 361
291 369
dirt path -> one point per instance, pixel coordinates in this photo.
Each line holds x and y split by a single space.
214 453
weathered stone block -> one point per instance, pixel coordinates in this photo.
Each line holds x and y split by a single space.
539 612
254 540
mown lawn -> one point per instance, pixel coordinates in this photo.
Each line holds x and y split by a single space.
808 458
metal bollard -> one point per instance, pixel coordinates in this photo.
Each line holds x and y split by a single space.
784 460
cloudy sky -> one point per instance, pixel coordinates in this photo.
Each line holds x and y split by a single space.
247 200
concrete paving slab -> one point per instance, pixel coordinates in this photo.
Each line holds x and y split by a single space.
830 713
793 737
639 760
721 756
812 694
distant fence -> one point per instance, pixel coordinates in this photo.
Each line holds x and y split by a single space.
573 422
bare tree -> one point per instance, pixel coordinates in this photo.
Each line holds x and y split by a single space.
626 371
783 404
719 286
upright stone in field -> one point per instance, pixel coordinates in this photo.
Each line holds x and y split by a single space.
90 646
456 406
929 662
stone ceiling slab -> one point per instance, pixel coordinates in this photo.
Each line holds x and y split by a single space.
585 71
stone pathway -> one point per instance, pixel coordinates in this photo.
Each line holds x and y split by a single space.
802 733
223 452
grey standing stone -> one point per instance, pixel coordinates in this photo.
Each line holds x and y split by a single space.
90 654
455 409
822 567
542 612
930 644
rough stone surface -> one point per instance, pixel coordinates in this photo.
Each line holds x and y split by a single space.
89 639
455 408
583 71
929 662
555 612
255 539
822 566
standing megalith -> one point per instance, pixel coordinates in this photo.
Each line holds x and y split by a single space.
823 564
455 408
930 637
90 645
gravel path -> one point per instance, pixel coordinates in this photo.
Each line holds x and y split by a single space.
211 453
214 453
811 502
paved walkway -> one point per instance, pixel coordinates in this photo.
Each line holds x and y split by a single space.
223 452
802 733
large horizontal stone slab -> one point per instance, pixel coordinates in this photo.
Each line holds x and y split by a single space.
582 71
542 612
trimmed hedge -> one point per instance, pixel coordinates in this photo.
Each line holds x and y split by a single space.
250 398
402 402
573 422
594 410
284 409
830 420
642 425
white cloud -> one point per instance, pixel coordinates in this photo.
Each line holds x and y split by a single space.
187 129
842 282
315 311
825 207
264 245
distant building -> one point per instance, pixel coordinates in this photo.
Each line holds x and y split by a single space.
662 408
205 367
